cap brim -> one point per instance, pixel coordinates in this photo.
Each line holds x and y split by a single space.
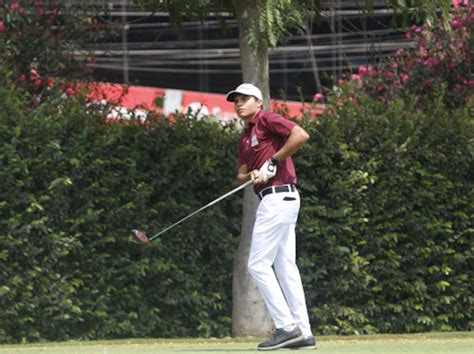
231 96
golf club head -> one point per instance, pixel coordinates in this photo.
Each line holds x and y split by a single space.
141 236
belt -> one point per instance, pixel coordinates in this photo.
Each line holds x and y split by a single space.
277 189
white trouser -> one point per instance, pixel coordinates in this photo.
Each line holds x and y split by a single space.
274 243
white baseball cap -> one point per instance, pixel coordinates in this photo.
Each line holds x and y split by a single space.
245 89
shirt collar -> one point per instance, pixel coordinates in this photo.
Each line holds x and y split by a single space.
254 120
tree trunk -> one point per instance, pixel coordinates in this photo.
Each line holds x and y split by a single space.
249 314
253 60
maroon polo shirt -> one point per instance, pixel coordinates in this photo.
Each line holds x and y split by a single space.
263 136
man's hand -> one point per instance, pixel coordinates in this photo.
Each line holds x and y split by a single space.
258 177
266 172
269 168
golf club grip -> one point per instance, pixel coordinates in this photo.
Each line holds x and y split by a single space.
242 186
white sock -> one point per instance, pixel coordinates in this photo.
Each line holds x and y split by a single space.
289 328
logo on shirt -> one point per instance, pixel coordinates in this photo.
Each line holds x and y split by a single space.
254 141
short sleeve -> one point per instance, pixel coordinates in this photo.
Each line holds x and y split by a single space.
277 124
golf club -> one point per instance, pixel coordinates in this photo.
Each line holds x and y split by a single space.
142 237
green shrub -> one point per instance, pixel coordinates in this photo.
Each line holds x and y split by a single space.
72 188
384 237
386 223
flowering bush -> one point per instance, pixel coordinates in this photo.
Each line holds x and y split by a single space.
39 42
440 57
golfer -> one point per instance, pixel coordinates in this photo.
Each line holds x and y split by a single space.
265 152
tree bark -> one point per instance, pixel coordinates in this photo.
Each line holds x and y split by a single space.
253 59
249 314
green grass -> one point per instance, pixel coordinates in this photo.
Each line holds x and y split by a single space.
429 343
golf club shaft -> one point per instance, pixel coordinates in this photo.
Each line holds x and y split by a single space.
242 186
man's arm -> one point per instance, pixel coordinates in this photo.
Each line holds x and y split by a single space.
243 175
298 136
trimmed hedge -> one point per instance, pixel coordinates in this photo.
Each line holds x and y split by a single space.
387 220
72 188
385 230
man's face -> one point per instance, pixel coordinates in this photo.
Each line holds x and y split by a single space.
246 106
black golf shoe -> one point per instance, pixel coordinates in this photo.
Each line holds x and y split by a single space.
280 338
308 342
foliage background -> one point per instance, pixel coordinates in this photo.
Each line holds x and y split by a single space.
384 237
386 224
385 231
72 188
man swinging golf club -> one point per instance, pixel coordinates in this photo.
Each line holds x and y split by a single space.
265 151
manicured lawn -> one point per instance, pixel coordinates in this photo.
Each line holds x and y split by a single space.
429 343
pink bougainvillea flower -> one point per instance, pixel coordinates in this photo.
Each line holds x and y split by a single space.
40 10
317 97
362 70
352 100
430 62
51 83
456 23
366 70
14 6
33 74
356 78
22 77
2 26
456 3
